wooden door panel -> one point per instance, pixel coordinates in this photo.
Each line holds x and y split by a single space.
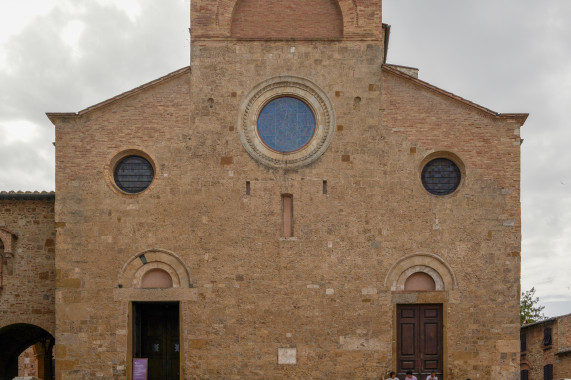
431 365
407 332
407 312
430 312
430 339
431 335
407 337
419 333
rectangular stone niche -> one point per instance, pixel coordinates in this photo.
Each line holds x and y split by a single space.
287 355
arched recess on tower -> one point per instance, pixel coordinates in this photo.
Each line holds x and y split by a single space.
15 339
292 19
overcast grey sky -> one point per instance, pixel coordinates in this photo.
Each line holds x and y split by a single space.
509 55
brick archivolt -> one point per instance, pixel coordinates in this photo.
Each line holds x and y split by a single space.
213 18
299 19
432 265
226 12
134 269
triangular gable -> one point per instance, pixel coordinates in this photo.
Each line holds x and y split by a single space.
519 117
57 115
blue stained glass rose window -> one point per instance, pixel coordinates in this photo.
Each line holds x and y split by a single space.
286 124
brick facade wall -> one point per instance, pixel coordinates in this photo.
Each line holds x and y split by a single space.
327 295
479 225
299 19
323 292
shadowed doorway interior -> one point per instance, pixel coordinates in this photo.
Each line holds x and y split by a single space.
156 338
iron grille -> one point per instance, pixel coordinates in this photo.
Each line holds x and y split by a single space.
441 176
134 174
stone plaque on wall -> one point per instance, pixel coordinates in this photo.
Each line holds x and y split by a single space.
287 355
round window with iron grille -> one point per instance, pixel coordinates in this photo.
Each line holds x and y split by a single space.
441 176
133 174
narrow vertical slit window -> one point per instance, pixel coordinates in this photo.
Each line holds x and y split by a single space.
287 215
548 372
547 336
247 187
324 187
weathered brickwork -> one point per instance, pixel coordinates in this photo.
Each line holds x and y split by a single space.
476 231
28 277
27 292
300 19
254 301
537 354
213 19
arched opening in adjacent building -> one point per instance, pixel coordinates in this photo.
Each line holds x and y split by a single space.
292 19
38 344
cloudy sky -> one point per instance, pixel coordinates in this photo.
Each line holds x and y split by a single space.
509 55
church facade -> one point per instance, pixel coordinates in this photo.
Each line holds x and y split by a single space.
288 206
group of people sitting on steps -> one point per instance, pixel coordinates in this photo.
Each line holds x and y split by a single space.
409 376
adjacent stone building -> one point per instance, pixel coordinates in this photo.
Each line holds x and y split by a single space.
288 206
546 349
27 280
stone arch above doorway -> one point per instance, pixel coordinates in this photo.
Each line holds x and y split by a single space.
430 264
140 264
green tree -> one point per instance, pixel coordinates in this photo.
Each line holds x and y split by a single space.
529 310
